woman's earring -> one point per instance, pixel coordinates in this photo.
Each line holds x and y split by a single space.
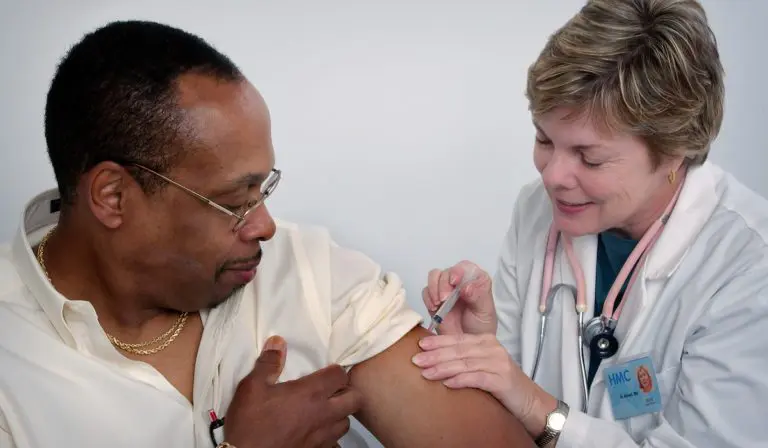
671 177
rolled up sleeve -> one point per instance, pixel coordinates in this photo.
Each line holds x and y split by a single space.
368 308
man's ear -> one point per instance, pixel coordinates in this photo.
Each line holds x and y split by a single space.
105 187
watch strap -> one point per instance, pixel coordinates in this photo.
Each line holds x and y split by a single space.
550 433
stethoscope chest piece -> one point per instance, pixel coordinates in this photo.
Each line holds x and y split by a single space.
605 345
599 336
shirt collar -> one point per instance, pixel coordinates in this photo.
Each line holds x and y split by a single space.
40 215
698 200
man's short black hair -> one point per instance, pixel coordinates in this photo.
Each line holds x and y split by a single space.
114 97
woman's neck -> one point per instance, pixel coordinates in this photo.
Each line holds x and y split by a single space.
639 224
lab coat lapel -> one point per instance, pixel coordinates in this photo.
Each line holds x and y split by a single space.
585 248
695 205
636 301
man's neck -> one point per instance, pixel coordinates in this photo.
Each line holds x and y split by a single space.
78 271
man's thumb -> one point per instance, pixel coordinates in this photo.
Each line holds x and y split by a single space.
270 363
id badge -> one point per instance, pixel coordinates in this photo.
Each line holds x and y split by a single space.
633 388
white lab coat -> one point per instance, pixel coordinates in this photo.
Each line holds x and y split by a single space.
699 309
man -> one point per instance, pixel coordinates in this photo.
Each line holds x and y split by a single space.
132 312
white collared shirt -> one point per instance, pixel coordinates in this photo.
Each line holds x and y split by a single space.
62 383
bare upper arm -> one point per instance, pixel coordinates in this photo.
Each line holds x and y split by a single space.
402 409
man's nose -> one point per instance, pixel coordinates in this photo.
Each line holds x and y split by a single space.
259 225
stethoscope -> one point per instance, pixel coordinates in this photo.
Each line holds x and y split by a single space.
598 333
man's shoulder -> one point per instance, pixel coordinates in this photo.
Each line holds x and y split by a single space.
336 293
12 287
297 246
306 234
20 312
22 320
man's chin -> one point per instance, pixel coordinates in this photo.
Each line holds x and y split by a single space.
219 299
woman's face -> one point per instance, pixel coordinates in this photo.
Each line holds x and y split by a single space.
598 181
644 378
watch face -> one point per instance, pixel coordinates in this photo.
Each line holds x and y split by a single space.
557 421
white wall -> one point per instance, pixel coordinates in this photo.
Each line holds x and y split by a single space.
428 92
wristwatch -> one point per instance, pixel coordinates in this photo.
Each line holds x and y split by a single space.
555 422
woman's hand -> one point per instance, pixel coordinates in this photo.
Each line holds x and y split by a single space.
481 362
474 312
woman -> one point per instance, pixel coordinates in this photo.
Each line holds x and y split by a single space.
626 99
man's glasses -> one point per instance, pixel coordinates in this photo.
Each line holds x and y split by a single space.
267 188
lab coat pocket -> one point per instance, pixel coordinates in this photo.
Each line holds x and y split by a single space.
640 425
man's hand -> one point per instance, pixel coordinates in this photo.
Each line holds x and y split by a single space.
312 411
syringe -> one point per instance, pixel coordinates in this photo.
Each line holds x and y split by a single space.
470 273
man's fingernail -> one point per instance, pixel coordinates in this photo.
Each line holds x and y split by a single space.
273 343
417 359
423 343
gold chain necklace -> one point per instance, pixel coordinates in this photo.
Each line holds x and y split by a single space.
164 339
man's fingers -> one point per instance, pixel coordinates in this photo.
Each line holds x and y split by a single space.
328 436
269 365
345 403
339 429
327 381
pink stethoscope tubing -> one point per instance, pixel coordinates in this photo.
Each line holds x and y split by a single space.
609 316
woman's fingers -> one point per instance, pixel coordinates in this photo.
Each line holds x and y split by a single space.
441 283
433 280
477 290
448 340
449 369
468 361
428 300
488 382
444 286
450 347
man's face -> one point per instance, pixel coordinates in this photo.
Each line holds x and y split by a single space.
185 250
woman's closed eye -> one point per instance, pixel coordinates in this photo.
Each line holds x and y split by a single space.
590 164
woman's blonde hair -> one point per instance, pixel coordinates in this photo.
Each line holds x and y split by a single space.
648 67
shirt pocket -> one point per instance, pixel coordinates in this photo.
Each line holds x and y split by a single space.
641 425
